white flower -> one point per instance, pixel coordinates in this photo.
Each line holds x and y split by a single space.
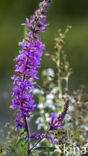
36 91
50 96
71 99
71 108
48 103
68 117
60 96
84 127
48 72
48 119
53 108
46 115
40 106
54 90
40 125
39 120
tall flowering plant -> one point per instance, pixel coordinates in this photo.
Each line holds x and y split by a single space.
28 61
25 74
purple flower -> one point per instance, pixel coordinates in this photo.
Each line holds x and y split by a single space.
51 139
35 136
54 123
28 61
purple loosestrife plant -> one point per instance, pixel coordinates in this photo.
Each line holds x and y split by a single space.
28 61
24 80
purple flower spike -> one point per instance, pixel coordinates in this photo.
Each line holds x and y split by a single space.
62 115
55 122
28 61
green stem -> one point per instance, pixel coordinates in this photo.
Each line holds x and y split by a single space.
60 86
59 154
67 83
48 153
59 76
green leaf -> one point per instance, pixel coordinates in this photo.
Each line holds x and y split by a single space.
44 149
18 142
25 143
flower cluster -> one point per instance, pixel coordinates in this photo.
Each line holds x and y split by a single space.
28 61
62 115
56 121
